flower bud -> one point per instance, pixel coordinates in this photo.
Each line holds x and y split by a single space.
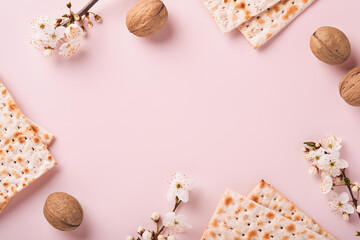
355 188
304 149
90 25
68 4
155 216
76 17
48 52
160 237
357 184
346 216
317 145
313 170
98 19
358 208
357 234
171 237
130 238
57 22
140 230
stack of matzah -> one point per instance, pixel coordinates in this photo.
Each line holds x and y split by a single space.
258 20
24 156
264 214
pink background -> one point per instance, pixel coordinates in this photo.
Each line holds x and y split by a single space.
128 112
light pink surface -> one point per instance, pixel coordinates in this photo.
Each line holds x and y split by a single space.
128 112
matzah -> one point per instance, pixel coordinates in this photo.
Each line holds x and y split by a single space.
230 14
237 218
23 157
260 29
45 136
267 196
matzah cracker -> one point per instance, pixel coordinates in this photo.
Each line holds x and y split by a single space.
230 14
267 196
23 157
238 217
45 136
260 29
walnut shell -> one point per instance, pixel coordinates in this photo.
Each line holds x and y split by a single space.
146 17
349 87
330 45
63 211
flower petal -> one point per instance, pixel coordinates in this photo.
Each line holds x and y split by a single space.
344 198
348 208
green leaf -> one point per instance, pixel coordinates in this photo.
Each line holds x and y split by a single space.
138 238
347 181
310 144
65 15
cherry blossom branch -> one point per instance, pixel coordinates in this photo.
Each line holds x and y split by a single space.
158 232
324 158
83 11
348 184
179 188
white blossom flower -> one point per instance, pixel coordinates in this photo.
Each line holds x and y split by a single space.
346 217
73 31
313 170
339 203
171 237
355 188
338 179
160 237
146 235
48 52
315 154
179 187
155 216
130 238
176 223
326 182
331 143
69 48
332 165
53 36
41 25
140 230
356 184
358 208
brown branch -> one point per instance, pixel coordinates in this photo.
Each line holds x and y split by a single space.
355 201
83 11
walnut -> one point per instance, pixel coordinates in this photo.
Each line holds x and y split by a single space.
146 17
349 87
330 45
63 211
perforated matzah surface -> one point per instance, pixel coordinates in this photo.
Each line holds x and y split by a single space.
267 196
230 14
45 136
261 28
237 218
23 157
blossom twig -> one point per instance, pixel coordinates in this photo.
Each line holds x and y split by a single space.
83 11
67 30
174 224
354 200
324 158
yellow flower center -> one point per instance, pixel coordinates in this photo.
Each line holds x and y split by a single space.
178 186
42 26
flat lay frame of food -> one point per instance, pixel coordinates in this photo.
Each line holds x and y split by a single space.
180 120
